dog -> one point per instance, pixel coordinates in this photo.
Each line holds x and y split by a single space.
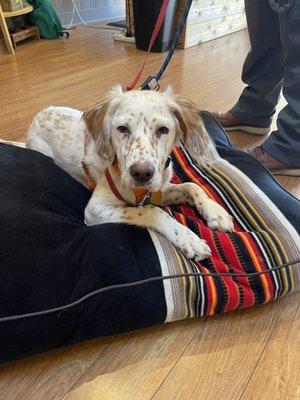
120 148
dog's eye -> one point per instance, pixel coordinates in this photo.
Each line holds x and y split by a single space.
163 130
123 129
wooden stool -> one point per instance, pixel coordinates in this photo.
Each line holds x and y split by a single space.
8 14
24 33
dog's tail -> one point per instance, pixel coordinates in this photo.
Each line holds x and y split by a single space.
10 142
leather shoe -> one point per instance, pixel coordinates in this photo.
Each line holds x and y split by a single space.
230 123
274 165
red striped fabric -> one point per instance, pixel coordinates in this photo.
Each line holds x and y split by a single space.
240 251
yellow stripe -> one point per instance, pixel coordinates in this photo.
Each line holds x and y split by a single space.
279 260
237 199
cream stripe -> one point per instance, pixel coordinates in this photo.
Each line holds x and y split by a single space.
165 271
183 286
201 284
262 249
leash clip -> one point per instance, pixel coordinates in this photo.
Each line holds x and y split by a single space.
144 200
151 83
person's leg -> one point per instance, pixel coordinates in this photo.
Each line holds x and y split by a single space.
284 144
262 71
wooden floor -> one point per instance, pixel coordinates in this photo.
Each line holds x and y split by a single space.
247 355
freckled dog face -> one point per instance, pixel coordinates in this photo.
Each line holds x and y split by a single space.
140 128
143 131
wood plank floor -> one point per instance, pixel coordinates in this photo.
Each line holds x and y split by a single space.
246 355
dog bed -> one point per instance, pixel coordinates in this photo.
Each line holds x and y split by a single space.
53 268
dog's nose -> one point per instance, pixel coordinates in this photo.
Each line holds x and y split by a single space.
142 172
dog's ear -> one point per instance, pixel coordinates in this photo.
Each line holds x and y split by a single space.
192 131
97 124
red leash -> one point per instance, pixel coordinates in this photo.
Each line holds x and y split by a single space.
158 24
160 19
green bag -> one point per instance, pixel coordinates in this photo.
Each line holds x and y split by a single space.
45 18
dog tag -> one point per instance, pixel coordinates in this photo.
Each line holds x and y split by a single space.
157 198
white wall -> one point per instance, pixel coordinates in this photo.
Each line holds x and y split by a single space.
90 10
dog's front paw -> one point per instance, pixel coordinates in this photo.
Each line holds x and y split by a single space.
216 217
192 246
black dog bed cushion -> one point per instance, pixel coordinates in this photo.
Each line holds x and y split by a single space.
53 268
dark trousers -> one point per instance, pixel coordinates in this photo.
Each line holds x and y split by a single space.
272 64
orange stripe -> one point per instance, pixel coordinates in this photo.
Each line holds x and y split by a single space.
257 266
211 282
193 175
180 218
214 296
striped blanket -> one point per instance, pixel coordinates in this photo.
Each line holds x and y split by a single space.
262 239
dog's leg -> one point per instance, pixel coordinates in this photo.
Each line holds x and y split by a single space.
99 211
190 193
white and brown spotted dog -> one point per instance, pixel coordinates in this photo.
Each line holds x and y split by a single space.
132 135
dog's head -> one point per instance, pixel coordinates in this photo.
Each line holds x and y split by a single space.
140 128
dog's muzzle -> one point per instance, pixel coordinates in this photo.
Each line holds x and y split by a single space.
142 172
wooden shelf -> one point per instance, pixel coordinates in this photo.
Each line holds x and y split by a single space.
25 10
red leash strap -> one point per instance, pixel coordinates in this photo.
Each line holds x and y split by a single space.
158 24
